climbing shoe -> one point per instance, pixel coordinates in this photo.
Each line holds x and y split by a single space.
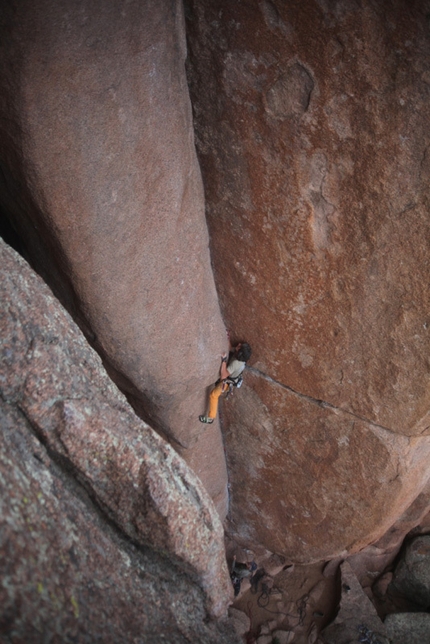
206 419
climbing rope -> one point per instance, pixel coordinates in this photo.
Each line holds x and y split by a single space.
264 597
263 601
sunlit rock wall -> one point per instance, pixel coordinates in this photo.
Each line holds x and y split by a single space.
312 123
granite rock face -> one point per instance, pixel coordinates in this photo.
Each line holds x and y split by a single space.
412 573
100 179
408 628
313 482
98 514
67 576
312 125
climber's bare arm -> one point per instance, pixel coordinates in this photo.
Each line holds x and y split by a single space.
223 372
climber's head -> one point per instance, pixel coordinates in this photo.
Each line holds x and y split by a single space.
243 351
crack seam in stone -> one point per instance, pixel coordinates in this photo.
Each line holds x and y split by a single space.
320 403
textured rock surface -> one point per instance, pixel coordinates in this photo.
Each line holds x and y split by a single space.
408 628
66 576
100 178
300 470
357 617
313 132
412 573
90 492
312 125
241 622
370 562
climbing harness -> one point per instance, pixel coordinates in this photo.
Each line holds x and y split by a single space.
231 384
235 382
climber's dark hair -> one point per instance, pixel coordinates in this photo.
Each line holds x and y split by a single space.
244 353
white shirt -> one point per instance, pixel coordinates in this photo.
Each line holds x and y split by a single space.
235 367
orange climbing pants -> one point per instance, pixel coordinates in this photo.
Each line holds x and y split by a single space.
214 395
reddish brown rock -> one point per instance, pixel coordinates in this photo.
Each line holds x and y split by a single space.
76 431
102 183
312 482
312 126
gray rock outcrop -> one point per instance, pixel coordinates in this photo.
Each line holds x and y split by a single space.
106 534
408 628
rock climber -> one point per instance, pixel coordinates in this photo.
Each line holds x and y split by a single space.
230 376
240 571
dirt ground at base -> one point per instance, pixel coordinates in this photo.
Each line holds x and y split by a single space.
301 600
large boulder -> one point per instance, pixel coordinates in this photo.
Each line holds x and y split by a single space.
312 126
99 177
103 525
